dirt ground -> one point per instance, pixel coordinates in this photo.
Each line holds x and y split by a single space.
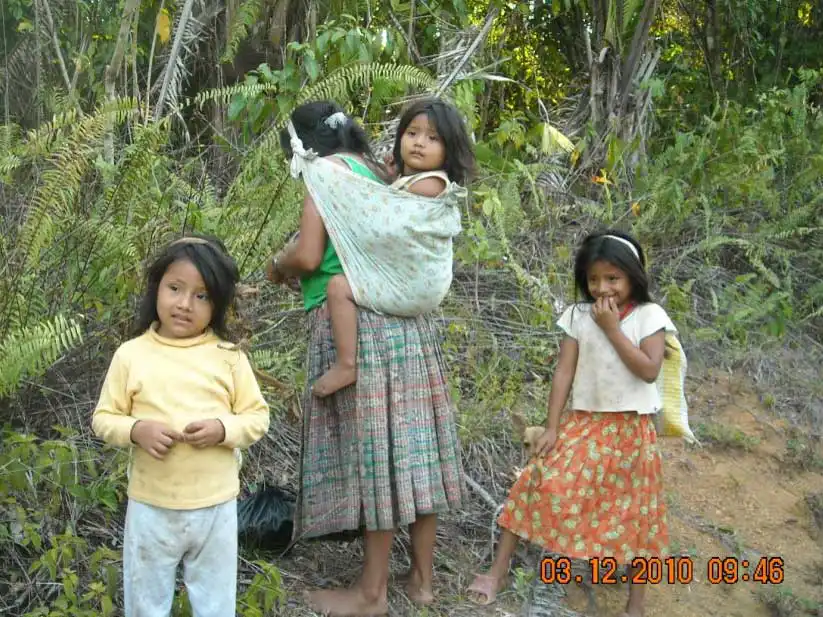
737 495
740 489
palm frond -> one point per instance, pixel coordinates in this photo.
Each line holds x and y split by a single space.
245 18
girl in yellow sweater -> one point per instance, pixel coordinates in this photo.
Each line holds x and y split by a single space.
183 400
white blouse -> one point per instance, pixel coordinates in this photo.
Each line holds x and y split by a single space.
602 382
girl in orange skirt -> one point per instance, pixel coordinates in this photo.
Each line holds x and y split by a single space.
594 488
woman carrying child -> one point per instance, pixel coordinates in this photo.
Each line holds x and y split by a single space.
379 450
595 487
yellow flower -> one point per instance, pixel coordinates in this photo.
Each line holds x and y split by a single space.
636 208
602 178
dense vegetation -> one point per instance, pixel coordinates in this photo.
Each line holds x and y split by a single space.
696 125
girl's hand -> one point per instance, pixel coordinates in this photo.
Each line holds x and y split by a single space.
605 313
545 442
204 433
154 437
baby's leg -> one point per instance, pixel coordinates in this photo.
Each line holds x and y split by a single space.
343 315
153 545
210 566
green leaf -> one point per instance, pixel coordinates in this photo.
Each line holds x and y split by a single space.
236 107
311 66
322 42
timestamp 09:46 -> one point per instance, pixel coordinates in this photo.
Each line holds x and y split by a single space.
655 570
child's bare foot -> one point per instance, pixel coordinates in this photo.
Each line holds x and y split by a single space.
419 590
346 603
631 612
336 378
485 588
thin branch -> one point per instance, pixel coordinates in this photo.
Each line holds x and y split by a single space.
410 35
6 94
490 17
151 62
77 64
414 53
135 81
56 42
114 67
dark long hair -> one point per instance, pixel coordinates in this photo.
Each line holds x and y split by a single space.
598 247
309 120
459 163
215 265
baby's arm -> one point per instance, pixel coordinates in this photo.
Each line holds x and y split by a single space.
249 419
427 187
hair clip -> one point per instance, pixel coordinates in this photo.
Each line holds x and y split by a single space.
336 120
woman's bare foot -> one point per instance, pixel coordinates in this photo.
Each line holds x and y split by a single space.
336 378
419 590
345 603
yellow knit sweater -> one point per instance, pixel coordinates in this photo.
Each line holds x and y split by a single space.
178 381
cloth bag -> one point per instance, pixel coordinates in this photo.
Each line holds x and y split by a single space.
673 418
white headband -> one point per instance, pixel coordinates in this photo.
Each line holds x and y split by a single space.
626 242
335 120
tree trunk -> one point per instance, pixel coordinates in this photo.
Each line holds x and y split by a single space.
615 107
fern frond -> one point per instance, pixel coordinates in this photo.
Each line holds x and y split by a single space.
29 352
752 251
8 163
61 183
339 83
128 192
245 18
223 96
39 140
9 136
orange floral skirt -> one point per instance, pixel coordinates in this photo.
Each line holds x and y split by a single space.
598 493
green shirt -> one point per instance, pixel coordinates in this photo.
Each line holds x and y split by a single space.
314 285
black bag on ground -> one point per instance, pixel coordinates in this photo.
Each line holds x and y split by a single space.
265 519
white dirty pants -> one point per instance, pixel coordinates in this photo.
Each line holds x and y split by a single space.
157 539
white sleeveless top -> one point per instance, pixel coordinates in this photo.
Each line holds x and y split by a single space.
404 181
602 382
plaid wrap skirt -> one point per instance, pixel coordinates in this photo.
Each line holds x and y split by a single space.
598 493
384 450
